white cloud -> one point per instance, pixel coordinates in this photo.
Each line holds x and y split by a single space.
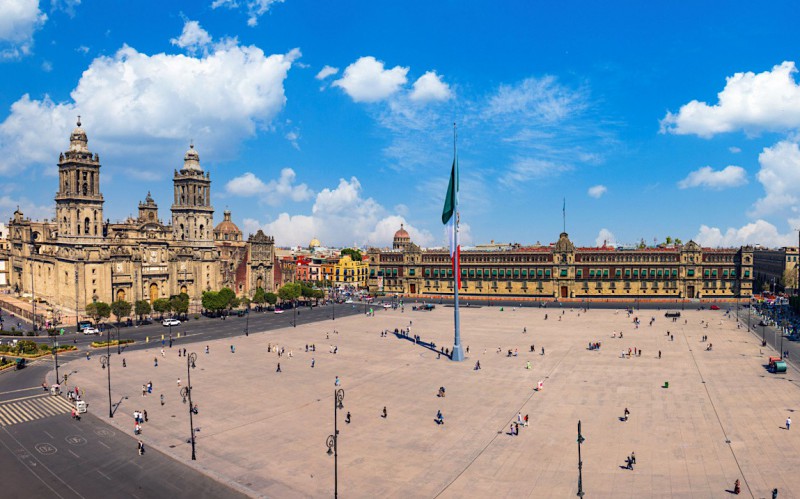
47 66
750 102
605 238
293 137
758 232
526 169
780 176
340 216
67 6
273 192
19 20
326 72
193 38
730 176
134 105
255 8
542 100
597 191
30 209
430 87
366 80
734 149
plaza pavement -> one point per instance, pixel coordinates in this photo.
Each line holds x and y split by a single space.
265 431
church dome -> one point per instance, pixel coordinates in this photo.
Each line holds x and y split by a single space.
314 243
191 160
402 233
227 230
77 139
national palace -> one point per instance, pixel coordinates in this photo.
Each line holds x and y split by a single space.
80 257
561 270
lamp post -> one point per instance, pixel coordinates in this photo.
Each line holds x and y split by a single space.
186 392
331 442
580 461
105 361
333 310
55 355
247 320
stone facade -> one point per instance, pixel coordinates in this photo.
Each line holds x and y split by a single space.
79 258
772 266
561 270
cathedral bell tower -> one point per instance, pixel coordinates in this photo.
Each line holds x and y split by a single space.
79 203
192 213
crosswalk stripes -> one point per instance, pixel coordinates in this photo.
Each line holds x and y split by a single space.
32 408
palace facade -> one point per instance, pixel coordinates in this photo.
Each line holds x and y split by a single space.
80 257
561 270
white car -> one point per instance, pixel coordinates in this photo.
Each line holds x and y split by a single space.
170 322
349 300
91 330
278 310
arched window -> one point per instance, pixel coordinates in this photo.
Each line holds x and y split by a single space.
86 226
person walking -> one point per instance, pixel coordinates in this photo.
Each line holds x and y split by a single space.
312 362
162 399
279 368
347 418
385 415
626 413
144 390
144 414
337 382
659 354
206 349
141 448
788 423
179 382
439 417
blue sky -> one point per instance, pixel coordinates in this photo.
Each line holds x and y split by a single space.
334 119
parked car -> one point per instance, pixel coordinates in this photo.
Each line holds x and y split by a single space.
713 307
91 330
278 310
170 322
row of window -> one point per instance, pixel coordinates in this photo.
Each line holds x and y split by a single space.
546 273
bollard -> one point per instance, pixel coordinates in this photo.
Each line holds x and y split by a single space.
147 339
179 335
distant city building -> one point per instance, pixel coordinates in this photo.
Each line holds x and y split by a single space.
775 269
563 271
79 257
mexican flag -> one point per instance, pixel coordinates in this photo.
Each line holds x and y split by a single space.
449 218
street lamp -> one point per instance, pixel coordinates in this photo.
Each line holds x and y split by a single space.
77 319
331 442
186 392
580 461
247 320
55 354
105 361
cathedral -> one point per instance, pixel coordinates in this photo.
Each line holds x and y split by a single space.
79 257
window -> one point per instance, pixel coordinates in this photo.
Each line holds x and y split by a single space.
411 271
547 273
427 272
627 273
618 273
563 272
636 273
690 273
579 273
674 272
472 272
480 272
605 272
502 273
524 273
733 273
516 272
714 273
591 272
539 272
707 273
747 273
494 272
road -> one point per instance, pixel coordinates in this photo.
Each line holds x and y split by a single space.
45 453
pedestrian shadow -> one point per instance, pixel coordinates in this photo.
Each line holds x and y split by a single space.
115 406
729 491
429 345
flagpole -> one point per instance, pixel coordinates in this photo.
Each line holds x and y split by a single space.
458 352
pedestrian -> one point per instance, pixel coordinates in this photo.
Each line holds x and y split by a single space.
141 448
528 365
337 382
626 414
347 418
542 350
184 352
511 429
384 413
149 387
312 362
526 420
206 349
123 363
519 417
233 349
439 417
478 365
788 423
179 382
633 457
162 399
279 368
144 390
163 355
155 361
659 354
775 493
144 413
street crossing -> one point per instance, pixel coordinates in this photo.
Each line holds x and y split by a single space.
31 408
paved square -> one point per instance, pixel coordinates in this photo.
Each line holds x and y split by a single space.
266 431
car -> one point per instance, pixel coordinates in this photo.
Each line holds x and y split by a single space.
278 310
170 322
714 307
84 324
91 330
349 300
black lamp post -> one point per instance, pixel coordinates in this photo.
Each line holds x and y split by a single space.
105 361
333 310
55 354
580 461
331 442
247 320
77 318
186 392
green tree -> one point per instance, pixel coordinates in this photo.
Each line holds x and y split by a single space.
244 301
271 298
289 292
678 241
258 297
180 304
228 298
162 306
142 307
98 310
669 240
353 253
120 308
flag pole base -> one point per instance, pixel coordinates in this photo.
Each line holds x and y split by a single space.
458 354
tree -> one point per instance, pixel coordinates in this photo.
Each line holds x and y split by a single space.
120 308
271 298
98 310
289 292
228 298
162 306
259 298
353 253
179 303
789 279
142 307
678 241
244 301
669 240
